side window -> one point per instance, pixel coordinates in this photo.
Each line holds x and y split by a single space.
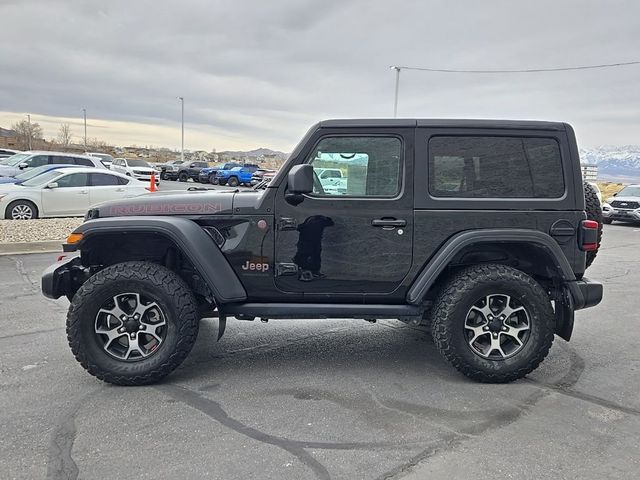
368 166
85 162
38 161
103 179
122 181
495 167
73 180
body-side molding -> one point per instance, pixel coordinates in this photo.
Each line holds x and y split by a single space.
424 281
189 237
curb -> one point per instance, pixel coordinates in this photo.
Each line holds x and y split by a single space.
21 248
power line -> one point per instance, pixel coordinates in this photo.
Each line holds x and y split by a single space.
527 70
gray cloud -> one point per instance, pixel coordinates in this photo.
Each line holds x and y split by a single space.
266 70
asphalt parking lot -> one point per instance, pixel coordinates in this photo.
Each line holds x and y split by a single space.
323 399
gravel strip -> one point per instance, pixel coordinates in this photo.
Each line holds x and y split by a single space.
12 231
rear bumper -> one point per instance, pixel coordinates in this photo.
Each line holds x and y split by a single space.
586 293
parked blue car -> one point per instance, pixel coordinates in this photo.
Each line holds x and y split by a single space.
33 172
236 176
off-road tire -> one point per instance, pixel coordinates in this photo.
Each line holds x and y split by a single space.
183 177
452 306
607 221
163 176
155 281
24 203
222 181
212 179
233 181
594 212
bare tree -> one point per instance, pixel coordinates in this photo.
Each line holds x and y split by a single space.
27 132
64 135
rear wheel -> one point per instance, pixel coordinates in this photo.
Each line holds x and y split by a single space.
594 212
132 323
233 182
21 210
493 323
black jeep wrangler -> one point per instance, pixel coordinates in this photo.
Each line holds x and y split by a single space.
477 229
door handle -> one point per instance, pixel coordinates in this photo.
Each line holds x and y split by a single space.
83 192
388 222
119 189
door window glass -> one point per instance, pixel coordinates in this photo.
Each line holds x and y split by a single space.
37 161
104 179
495 167
361 166
73 180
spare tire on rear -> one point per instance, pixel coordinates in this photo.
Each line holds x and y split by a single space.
594 212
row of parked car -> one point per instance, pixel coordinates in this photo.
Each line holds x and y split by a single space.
230 173
37 184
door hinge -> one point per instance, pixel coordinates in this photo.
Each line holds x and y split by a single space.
286 269
287 224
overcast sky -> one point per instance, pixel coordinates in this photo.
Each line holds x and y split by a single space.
259 73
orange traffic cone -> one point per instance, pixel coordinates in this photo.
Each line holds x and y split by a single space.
152 186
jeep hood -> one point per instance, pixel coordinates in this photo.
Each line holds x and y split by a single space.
208 202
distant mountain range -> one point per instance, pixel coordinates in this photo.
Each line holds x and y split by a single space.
255 153
615 162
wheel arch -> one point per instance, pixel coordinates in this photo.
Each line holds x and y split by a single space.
34 202
123 239
531 251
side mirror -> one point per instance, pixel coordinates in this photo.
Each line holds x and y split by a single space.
23 165
52 185
301 179
615 194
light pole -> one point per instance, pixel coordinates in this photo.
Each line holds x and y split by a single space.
84 112
395 102
182 116
30 132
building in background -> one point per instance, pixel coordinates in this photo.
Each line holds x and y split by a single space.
8 139
589 171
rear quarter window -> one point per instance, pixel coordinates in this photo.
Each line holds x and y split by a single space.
495 167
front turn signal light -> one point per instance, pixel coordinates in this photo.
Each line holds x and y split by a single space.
74 238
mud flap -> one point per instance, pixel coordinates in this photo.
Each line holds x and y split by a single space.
564 315
222 326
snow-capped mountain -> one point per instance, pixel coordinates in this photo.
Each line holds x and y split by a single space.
615 162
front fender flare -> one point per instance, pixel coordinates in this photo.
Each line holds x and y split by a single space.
189 237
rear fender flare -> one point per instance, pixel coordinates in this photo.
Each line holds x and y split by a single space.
443 257
191 240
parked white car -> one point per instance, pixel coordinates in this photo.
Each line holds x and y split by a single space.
14 165
65 192
105 158
135 168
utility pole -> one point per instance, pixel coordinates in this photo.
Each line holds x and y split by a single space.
30 132
84 112
182 147
395 102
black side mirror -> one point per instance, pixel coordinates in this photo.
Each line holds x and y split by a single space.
300 182
301 179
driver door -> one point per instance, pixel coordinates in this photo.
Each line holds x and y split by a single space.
355 239
70 197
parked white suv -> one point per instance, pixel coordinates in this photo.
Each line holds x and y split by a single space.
18 163
135 168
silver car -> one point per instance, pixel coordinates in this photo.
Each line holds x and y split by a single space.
14 165
623 206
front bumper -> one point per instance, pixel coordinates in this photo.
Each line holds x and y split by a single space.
204 177
63 278
622 214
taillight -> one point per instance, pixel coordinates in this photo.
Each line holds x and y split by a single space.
589 235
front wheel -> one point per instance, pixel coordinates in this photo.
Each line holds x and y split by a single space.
183 177
163 176
132 323
21 210
233 182
493 323
222 181
607 221
212 179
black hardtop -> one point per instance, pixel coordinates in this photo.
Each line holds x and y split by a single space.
443 123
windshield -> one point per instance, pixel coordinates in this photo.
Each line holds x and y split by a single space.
137 163
14 160
34 172
42 179
629 192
